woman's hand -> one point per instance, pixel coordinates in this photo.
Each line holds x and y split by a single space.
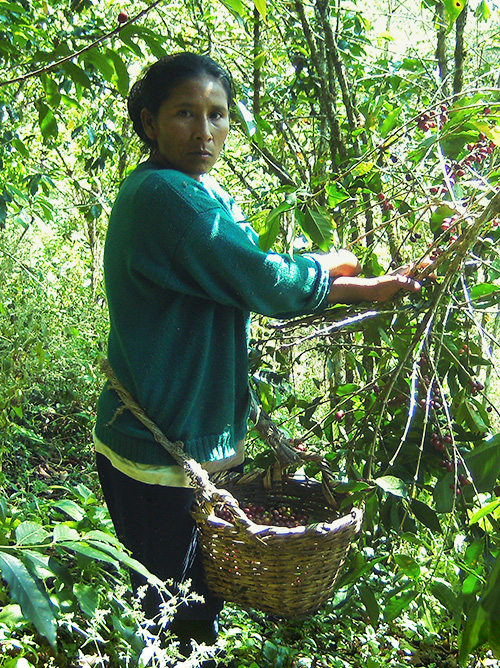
353 289
341 263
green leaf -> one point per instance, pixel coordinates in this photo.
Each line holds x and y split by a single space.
122 79
71 508
484 290
76 74
3 509
51 89
336 194
260 60
317 226
155 45
30 533
484 511
46 120
34 602
122 556
11 615
392 485
64 532
12 7
247 119
396 604
88 551
272 225
426 515
469 415
390 121
484 464
482 621
453 8
348 388
445 595
234 5
103 537
408 565
443 495
370 603
88 598
44 566
261 8
100 62
362 168
483 11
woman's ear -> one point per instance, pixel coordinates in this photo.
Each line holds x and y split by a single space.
148 123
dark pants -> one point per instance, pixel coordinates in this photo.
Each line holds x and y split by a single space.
154 523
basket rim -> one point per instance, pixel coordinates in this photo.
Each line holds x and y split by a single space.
261 531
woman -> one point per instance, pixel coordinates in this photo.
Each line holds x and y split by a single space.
183 272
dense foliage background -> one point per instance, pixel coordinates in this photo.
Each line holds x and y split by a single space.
370 127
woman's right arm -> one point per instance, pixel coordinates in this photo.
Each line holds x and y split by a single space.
354 289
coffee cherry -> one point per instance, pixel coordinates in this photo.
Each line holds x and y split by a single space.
380 197
280 516
463 480
339 415
122 17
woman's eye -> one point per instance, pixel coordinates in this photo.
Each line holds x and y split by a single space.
183 112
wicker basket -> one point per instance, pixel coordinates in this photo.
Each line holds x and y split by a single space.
284 572
280 571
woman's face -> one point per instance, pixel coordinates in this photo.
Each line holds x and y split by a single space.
191 126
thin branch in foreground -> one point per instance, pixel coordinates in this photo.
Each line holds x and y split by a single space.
103 38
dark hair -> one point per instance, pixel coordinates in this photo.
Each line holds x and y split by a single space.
162 77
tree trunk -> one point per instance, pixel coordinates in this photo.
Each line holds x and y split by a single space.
441 47
459 52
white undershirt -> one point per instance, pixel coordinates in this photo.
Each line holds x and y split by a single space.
169 476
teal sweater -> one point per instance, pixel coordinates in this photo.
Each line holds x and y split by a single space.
183 270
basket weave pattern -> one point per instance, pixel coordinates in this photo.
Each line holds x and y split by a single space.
280 571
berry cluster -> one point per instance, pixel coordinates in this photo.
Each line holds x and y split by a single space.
440 442
384 202
461 482
278 516
435 253
415 236
475 386
479 151
451 225
433 118
435 402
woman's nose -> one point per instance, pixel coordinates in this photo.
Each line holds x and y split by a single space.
203 130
